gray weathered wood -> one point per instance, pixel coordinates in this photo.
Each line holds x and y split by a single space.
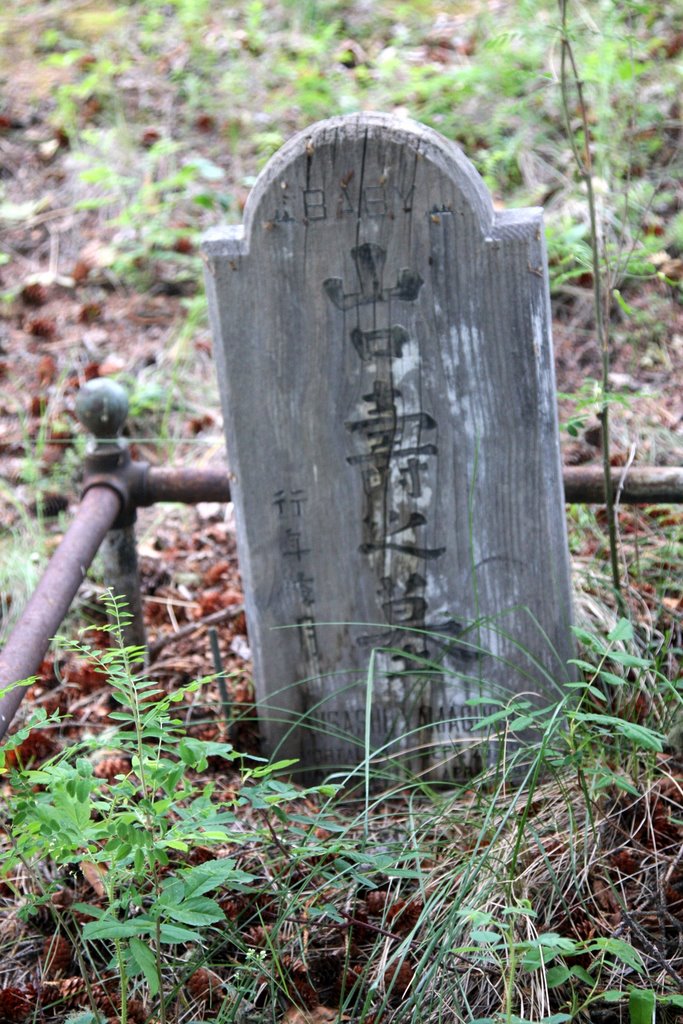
384 355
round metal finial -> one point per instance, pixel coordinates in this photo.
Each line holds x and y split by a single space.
102 407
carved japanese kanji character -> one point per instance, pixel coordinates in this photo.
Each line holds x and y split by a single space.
370 259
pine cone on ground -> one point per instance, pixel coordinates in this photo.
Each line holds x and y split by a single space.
205 986
256 936
106 997
57 953
136 1012
300 989
398 978
70 993
376 901
232 905
17 1003
326 973
34 294
404 915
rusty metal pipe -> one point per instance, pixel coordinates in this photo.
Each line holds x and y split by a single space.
50 601
641 485
582 485
186 485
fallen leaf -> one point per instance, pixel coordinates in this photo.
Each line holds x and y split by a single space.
47 370
93 874
112 364
81 270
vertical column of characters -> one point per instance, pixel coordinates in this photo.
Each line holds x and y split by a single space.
289 504
394 446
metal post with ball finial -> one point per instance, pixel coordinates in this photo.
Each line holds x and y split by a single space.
102 408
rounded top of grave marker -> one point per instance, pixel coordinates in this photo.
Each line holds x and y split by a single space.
360 139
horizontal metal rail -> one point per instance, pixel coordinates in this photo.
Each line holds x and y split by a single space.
186 485
140 485
641 485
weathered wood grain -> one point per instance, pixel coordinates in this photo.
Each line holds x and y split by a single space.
385 363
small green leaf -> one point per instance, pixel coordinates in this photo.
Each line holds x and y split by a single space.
397 872
523 722
582 974
108 929
214 873
146 961
587 688
646 738
641 1006
611 779
484 935
198 911
629 660
580 663
482 723
623 631
555 941
671 1001
556 976
191 752
612 996
611 677
177 844
205 199
629 311
268 769
89 909
208 169
533 959
172 934
173 892
619 949
643 737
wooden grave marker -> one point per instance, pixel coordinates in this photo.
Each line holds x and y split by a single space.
382 337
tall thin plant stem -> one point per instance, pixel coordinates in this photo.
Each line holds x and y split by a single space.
569 76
